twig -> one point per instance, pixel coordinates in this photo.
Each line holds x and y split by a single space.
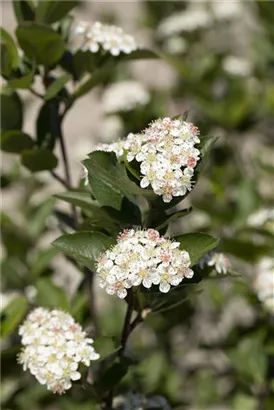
128 328
56 125
91 299
34 92
58 178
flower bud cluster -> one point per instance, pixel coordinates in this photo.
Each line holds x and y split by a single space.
97 36
54 346
264 283
125 96
142 257
167 155
134 401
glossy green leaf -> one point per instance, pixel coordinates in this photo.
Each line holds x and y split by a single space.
11 110
40 42
97 78
113 375
50 295
9 53
51 11
46 134
78 198
109 181
57 86
24 81
105 346
197 244
39 217
174 217
15 141
13 314
24 10
84 246
39 160
42 260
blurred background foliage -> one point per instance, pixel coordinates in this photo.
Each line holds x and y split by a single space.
216 350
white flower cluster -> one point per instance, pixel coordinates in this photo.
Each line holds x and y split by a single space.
125 96
163 149
216 259
237 66
264 283
142 257
97 36
136 401
54 346
117 147
185 21
263 218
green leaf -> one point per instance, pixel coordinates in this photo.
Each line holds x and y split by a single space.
98 77
9 53
46 134
38 220
174 217
11 110
50 295
84 246
57 86
79 198
105 346
24 10
242 401
13 314
113 375
24 81
42 260
51 11
15 141
246 249
97 218
141 54
197 244
109 181
204 147
249 359
40 42
39 160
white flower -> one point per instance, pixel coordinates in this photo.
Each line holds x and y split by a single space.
194 18
117 147
225 10
237 66
264 283
125 96
54 346
84 175
175 45
142 257
136 401
97 36
216 259
167 155
262 218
